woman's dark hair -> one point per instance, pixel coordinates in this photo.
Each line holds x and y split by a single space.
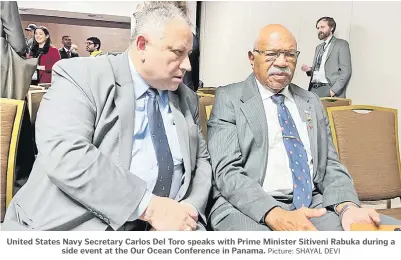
36 51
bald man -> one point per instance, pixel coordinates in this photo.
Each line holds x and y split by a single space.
274 163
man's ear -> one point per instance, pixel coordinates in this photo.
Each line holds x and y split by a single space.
141 43
251 58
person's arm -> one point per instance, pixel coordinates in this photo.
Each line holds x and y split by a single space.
345 66
65 128
309 72
12 26
243 192
202 179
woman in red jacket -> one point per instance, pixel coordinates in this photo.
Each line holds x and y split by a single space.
47 53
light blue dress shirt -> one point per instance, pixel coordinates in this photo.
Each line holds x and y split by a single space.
143 157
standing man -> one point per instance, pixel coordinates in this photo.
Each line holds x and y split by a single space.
121 147
274 163
331 69
66 51
93 46
31 29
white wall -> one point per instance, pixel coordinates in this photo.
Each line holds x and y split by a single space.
228 30
121 8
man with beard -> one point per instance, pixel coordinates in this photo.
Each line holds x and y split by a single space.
331 69
274 163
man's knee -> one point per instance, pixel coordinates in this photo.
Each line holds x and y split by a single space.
328 222
236 221
387 220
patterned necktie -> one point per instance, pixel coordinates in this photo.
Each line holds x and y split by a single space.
161 146
302 190
320 56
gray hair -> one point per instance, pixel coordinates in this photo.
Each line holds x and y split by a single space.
154 16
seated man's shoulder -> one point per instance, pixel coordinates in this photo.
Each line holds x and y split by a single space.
312 97
234 90
186 91
85 73
83 66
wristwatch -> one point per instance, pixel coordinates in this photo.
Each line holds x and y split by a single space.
345 208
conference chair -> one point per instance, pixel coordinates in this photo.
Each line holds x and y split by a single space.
366 139
335 102
211 91
34 98
205 106
11 117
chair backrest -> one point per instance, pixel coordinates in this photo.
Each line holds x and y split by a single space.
205 106
45 85
211 91
34 87
34 99
366 139
11 117
335 102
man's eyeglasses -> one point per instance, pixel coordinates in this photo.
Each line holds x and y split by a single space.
89 43
290 56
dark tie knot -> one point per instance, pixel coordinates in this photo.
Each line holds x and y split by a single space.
152 92
278 99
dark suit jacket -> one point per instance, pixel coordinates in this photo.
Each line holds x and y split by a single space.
63 54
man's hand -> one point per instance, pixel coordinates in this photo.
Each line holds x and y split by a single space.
166 214
306 68
193 212
279 219
332 94
359 215
39 67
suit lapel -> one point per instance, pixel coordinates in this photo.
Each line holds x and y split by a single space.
125 103
253 110
308 115
181 128
318 50
333 42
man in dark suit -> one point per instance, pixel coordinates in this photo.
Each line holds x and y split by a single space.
331 69
66 52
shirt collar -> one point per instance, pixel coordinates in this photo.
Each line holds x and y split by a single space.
328 39
67 50
267 93
94 53
141 86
